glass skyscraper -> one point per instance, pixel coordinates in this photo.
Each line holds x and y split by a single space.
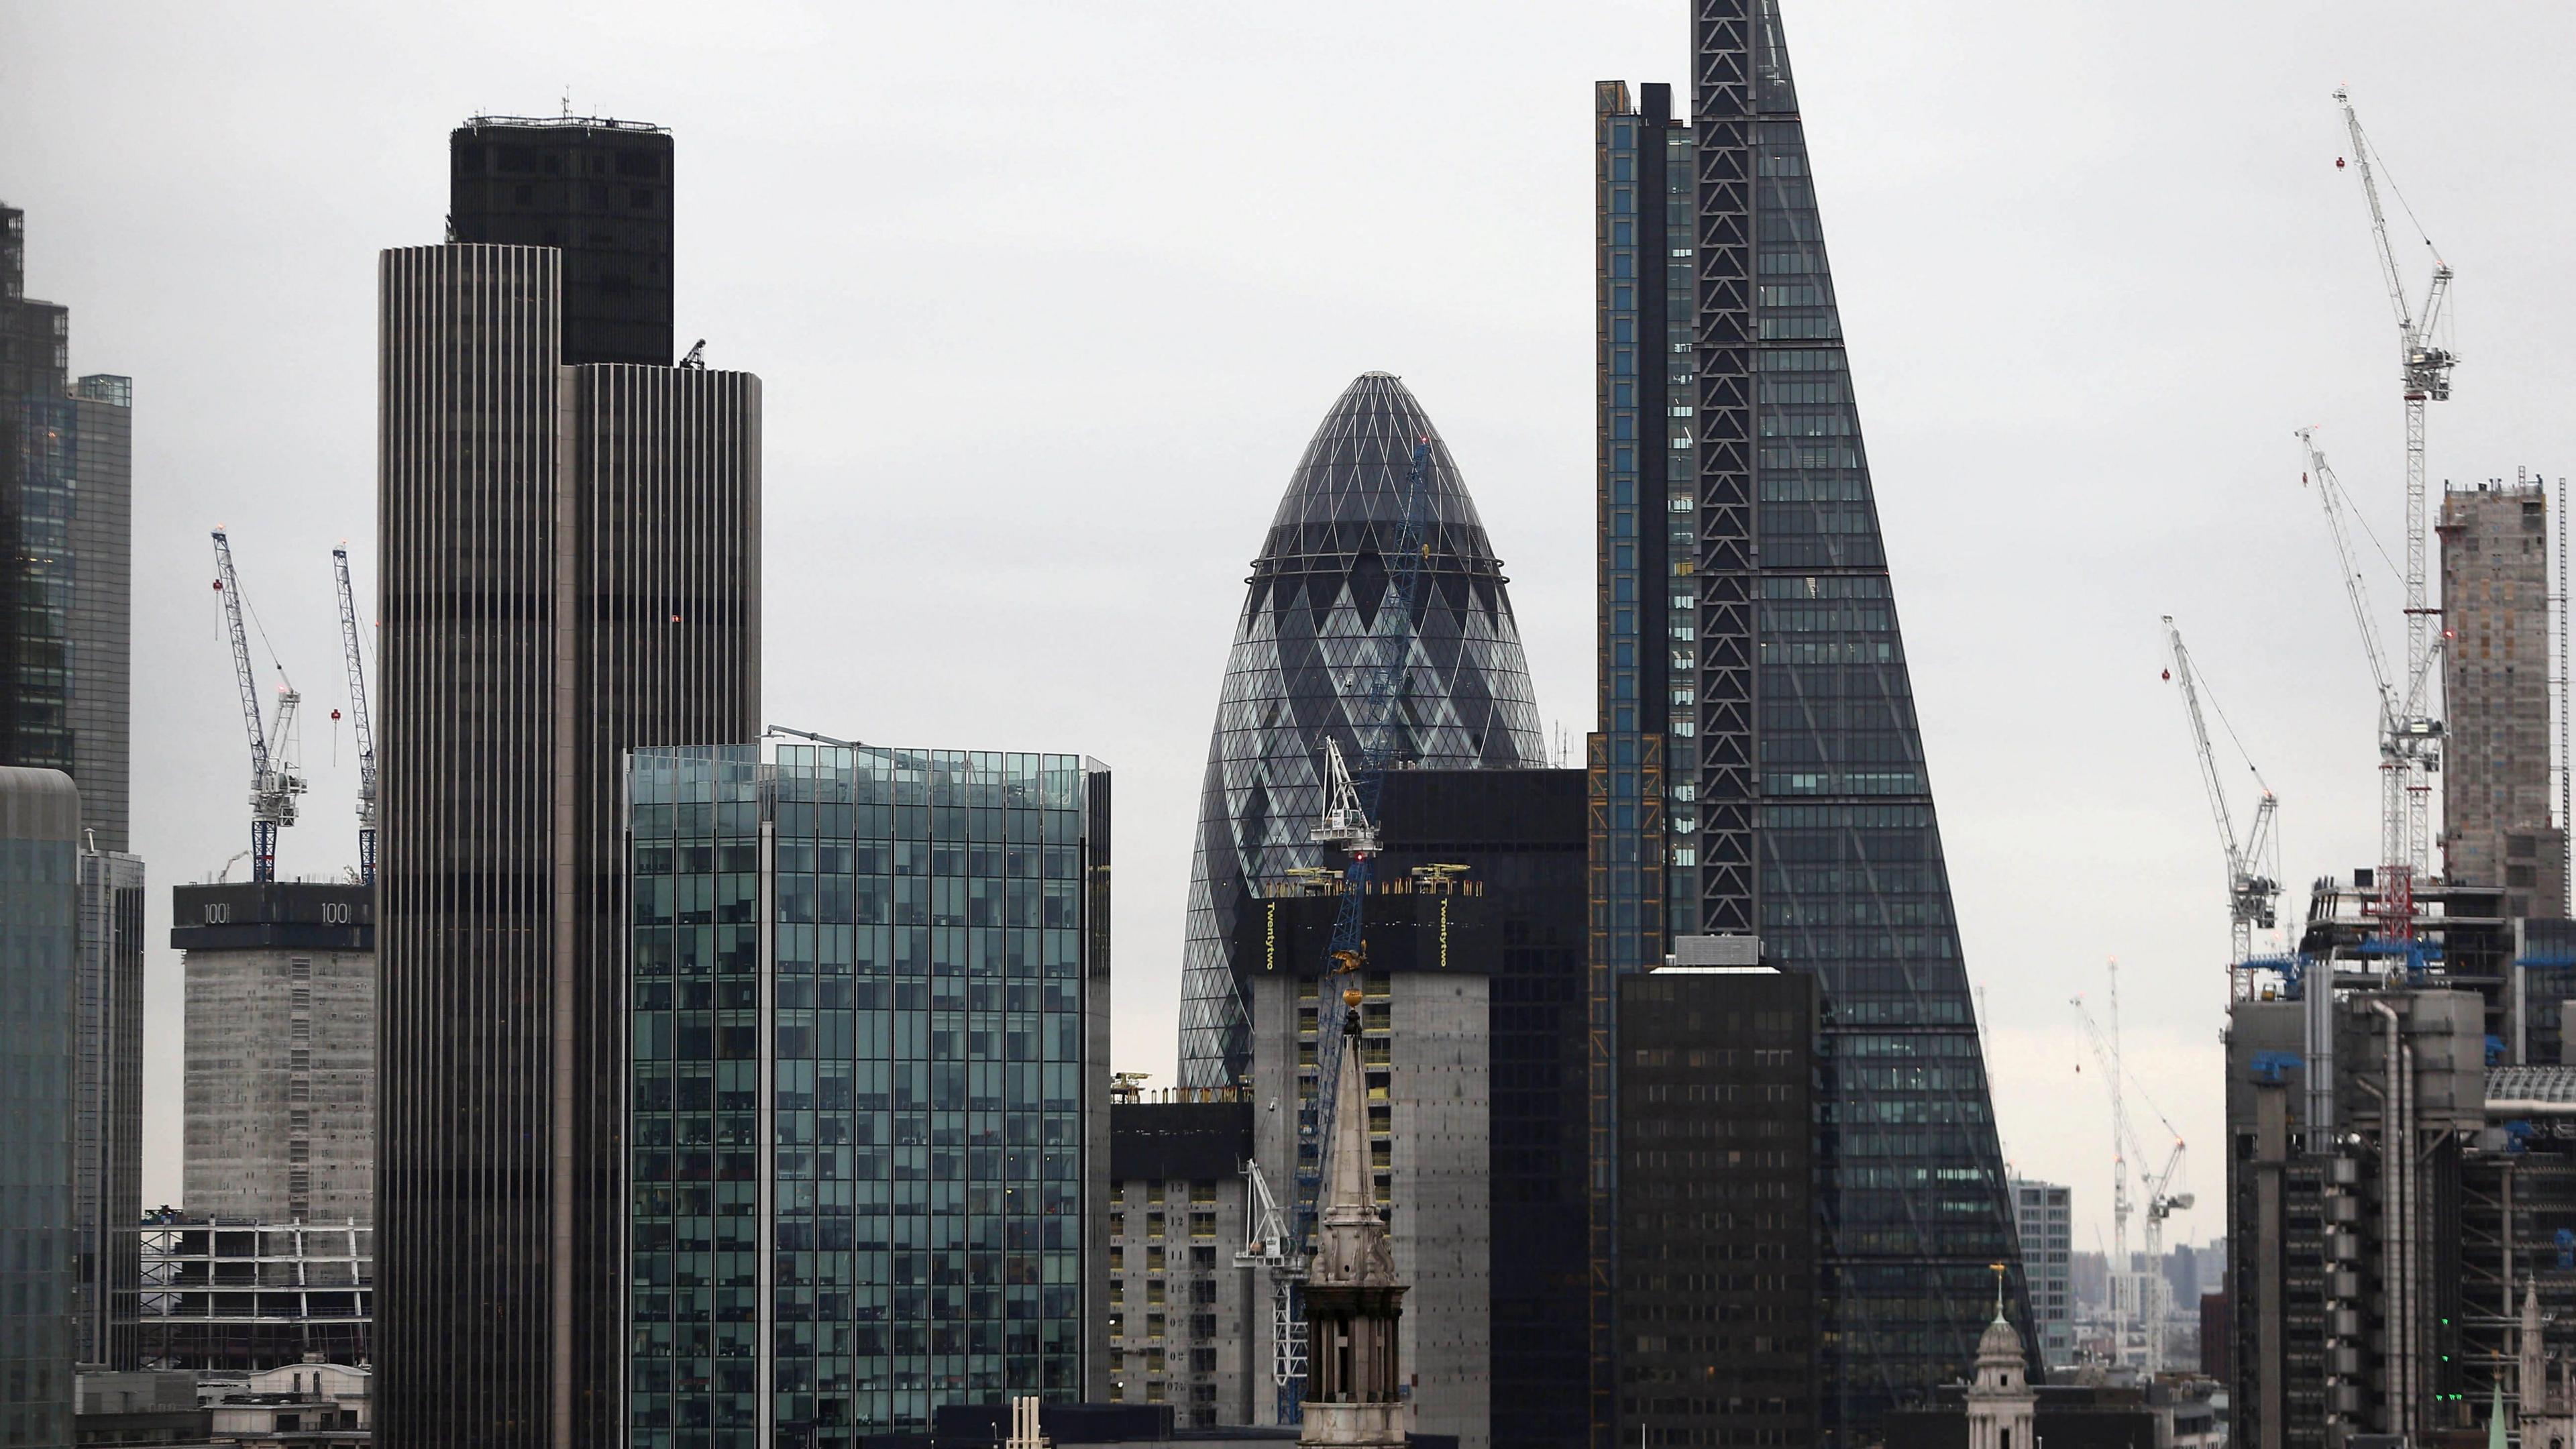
66 569
1302 657
869 1084
39 907
1749 617
1646 629
66 489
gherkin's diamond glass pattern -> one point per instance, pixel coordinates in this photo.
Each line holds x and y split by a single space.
1304 655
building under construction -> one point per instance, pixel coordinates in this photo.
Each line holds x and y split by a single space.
2496 825
2401 1084
281 1049
2402 1169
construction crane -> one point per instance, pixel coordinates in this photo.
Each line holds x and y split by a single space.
2253 868
274 784
1266 1247
2410 736
358 719
2424 376
1348 821
2132 1292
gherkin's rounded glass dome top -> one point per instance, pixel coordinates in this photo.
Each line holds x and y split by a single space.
1303 655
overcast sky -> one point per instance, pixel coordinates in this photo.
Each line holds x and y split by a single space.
1047 298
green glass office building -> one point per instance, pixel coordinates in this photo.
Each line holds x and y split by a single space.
868 1104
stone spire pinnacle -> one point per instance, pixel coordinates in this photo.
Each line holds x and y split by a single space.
2532 1383
1351 1244
1353 1302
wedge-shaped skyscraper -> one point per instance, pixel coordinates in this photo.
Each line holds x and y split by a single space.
1759 769
1814 818
1303 660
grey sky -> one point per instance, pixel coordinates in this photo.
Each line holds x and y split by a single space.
1048 297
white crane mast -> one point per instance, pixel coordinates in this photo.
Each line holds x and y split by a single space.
2162 1203
365 735
2409 736
1267 1245
2138 1296
274 783
2253 880
2106 1052
2424 373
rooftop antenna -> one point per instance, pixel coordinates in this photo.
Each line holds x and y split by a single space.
567 100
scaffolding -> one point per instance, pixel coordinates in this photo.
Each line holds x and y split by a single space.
241 1295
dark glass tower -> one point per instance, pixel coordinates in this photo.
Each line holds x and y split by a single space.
570 560
1303 651
1520 834
1717 1294
66 505
599 191
1645 497
1814 819
1748 616
66 491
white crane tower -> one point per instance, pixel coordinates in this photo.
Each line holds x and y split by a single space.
2137 1297
274 783
2253 863
365 735
2411 736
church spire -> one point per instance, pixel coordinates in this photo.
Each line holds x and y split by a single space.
2531 1384
1353 1302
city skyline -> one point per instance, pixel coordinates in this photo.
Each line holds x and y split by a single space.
2039 693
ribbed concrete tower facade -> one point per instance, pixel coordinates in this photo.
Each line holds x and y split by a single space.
570 561
1302 648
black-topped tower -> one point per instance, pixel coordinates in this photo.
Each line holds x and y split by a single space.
1798 806
597 190
569 552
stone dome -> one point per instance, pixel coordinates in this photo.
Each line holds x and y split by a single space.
2000 1344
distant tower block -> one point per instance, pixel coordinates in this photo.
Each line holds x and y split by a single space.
2496 826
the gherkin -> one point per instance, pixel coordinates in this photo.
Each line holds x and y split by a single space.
1304 655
